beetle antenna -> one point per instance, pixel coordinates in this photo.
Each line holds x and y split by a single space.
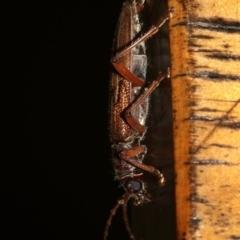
112 213
125 217
122 201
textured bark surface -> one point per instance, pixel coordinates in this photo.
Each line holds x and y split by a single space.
205 65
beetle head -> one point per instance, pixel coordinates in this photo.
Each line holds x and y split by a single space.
136 188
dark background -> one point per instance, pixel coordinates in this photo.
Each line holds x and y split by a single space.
56 177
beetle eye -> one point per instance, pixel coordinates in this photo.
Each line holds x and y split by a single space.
134 185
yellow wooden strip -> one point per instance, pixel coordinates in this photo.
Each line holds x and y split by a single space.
205 58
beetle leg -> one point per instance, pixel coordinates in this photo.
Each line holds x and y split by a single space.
132 152
133 123
128 75
140 6
154 29
127 155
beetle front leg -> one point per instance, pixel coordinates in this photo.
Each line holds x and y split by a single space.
127 155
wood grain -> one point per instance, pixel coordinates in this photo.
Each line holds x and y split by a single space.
205 64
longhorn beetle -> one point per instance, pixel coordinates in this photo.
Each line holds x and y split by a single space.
129 108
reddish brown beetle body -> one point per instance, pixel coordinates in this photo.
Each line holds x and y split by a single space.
129 108
122 89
